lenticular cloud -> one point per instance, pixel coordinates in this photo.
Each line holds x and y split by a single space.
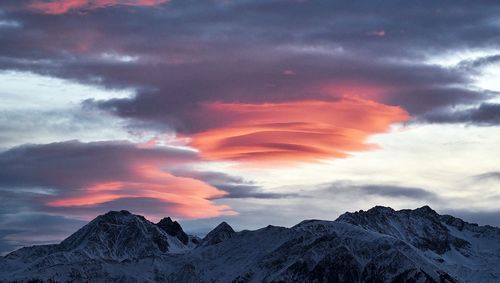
293 131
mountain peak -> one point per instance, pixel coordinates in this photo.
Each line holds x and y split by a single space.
173 228
117 213
422 227
224 226
114 216
426 210
118 235
222 232
383 211
380 209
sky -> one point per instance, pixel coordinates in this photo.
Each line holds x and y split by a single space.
251 112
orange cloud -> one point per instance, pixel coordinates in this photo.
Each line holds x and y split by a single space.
63 6
183 197
295 131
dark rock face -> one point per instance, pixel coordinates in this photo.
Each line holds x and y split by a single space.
195 240
219 234
336 267
394 266
414 276
173 228
187 274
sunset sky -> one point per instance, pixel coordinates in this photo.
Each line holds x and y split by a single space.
251 112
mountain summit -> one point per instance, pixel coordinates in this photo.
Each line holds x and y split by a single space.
219 234
423 227
378 245
117 235
173 228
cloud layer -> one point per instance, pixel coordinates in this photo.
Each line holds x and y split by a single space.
188 54
292 132
82 179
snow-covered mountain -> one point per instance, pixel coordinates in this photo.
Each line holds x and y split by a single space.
378 245
219 234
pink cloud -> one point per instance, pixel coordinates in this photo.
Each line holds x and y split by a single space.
63 6
293 131
182 197
89 178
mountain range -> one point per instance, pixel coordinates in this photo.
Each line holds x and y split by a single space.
378 245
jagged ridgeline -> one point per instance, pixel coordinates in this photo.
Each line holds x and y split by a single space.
378 245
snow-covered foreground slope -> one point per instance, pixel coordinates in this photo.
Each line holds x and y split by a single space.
379 245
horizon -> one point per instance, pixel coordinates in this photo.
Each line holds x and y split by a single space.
202 233
249 112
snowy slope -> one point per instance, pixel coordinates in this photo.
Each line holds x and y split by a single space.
379 245
469 251
113 237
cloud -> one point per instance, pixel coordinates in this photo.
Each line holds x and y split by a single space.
397 191
423 101
294 131
486 114
154 208
63 6
194 54
235 187
489 176
29 228
480 62
366 190
73 175
236 191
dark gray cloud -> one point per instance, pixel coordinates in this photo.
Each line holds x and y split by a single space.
423 101
486 114
74 164
480 62
249 191
367 190
397 191
236 187
189 52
